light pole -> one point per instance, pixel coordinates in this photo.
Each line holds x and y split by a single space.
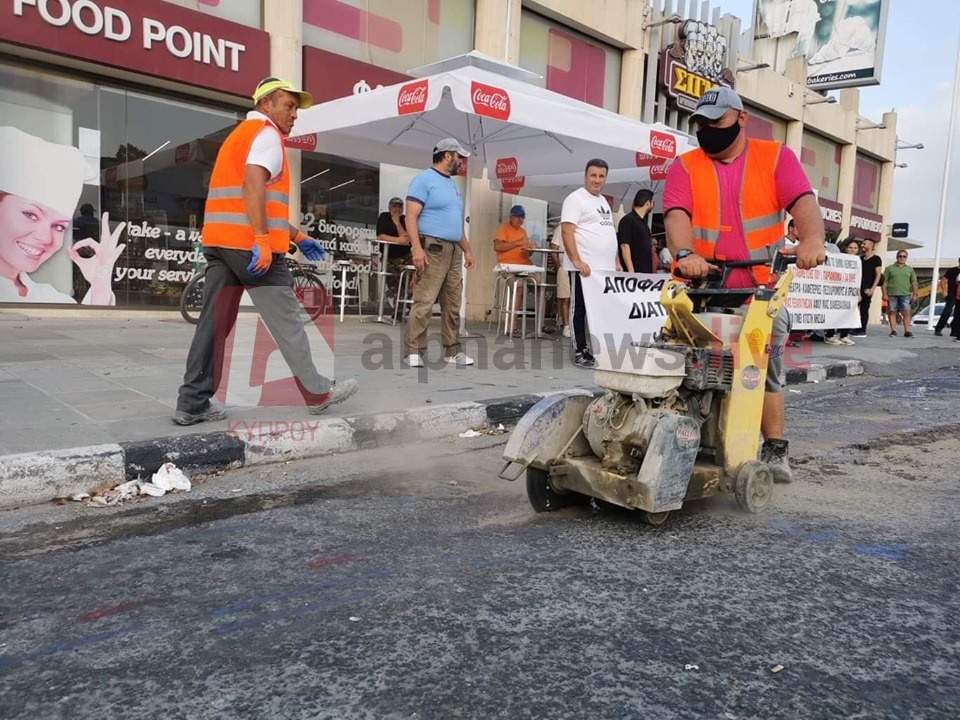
946 182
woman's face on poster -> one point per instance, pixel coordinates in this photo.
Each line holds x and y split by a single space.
29 232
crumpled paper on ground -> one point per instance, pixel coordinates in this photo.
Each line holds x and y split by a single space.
167 479
498 430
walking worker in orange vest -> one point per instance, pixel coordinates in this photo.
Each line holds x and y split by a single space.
725 200
246 236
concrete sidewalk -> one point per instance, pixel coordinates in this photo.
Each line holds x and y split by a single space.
103 385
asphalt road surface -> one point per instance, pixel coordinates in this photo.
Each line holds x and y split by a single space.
412 583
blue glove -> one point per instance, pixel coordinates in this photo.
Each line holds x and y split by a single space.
261 249
312 250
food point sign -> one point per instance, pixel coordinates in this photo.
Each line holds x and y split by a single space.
143 36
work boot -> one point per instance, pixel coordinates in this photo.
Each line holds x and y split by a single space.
211 414
775 454
341 391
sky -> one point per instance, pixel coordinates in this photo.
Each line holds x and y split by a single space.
916 80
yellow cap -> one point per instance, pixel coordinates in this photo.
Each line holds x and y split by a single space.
268 85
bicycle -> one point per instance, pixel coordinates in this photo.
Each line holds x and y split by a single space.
307 286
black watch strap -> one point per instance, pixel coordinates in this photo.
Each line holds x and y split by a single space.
683 253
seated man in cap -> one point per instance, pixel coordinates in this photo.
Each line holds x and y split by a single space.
392 228
513 248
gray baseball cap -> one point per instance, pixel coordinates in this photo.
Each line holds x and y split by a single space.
716 101
451 145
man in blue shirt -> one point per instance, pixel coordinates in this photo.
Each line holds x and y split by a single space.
440 250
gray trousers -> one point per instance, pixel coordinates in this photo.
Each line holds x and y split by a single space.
223 285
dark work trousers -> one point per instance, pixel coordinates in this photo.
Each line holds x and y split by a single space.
955 325
948 306
865 301
579 314
223 286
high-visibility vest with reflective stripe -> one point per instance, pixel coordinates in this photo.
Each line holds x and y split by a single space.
760 212
225 221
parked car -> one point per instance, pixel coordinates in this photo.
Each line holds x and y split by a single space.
922 315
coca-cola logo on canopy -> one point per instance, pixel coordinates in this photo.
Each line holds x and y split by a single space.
644 160
512 185
659 171
302 142
490 101
663 144
507 168
412 98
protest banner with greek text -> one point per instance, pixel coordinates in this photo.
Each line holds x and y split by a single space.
827 296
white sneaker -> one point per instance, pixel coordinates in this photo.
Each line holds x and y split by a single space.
846 341
461 359
832 340
566 331
413 361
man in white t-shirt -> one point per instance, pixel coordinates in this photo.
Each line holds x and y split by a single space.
590 242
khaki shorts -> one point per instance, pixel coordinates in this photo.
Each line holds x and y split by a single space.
776 375
563 284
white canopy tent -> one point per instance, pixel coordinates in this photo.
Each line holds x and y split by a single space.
494 110
511 126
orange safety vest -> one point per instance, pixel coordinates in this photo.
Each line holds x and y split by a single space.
225 221
760 211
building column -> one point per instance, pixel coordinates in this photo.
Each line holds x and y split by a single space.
497 31
283 19
886 197
795 136
497 34
632 68
885 201
848 167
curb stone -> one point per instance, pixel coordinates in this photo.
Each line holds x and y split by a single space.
35 478
818 372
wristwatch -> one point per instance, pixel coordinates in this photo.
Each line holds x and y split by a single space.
681 254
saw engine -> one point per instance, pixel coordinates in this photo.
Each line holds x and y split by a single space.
619 425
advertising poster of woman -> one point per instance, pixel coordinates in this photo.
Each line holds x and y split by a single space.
40 185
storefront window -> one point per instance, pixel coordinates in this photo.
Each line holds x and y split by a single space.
136 198
570 63
762 126
339 204
866 184
821 160
399 36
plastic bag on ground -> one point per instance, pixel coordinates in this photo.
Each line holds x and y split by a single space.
170 477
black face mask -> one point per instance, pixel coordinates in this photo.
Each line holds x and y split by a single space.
714 140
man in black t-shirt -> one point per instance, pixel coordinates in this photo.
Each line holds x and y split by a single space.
950 280
634 237
871 276
392 228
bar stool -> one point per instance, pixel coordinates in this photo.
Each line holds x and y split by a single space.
403 301
512 279
343 296
499 289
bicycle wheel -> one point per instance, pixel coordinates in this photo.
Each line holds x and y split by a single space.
191 299
310 291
